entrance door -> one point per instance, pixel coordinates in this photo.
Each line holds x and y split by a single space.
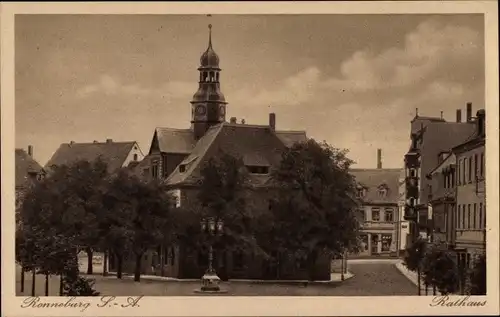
374 244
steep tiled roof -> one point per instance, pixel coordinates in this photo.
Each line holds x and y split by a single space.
257 145
418 122
25 165
371 179
439 137
175 140
291 137
113 153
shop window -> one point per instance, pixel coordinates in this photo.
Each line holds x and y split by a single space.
386 242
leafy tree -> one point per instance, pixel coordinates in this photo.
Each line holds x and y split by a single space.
82 184
477 276
137 217
314 209
224 194
75 285
414 254
439 268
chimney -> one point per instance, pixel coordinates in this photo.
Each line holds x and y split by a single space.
272 121
441 115
481 122
459 115
71 142
242 121
95 141
232 120
109 140
379 158
416 112
30 150
469 112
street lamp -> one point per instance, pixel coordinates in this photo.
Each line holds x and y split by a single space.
210 280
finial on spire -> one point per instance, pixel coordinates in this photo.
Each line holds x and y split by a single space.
210 35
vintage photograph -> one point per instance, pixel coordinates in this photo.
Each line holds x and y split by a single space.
250 155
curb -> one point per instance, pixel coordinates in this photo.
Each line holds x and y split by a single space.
401 268
347 276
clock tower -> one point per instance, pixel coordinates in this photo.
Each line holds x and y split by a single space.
208 106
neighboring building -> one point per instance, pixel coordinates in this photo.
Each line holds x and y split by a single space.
403 225
443 200
115 154
457 197
28 171
430 137
178 155
378 189
470 229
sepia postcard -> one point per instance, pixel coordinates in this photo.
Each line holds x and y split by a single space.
250 158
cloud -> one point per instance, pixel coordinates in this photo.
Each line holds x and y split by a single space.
110 86
431 52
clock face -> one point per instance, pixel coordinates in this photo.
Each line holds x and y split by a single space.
222 110
201 110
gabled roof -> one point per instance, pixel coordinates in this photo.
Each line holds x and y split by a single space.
439 137
257 145
449 160
25 165
371 179
113 153
419 121
168 140
291 137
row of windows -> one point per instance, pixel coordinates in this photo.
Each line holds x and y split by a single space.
471 216
361 192
470 168
386 241
388 215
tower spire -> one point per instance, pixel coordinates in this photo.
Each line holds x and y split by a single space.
210 36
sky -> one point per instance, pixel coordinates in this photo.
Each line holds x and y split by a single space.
353 81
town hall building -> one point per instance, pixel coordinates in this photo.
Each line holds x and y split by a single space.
177 157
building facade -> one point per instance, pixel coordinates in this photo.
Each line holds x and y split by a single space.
470 229
403 225
378 191
430 138
443 200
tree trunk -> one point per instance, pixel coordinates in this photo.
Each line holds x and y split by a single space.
105 264
33 282
138 262
418 281
61 285
119 264
311 259
22 279
46 284
90 255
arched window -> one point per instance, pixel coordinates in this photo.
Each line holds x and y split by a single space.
217 77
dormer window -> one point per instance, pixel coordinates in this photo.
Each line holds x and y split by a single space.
182 168
253 169
360 192
382 191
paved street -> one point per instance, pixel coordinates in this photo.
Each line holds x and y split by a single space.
371 278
